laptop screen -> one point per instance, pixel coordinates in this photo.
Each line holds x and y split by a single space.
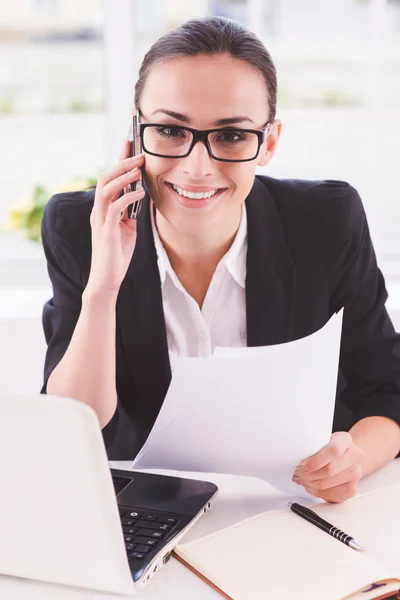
120 483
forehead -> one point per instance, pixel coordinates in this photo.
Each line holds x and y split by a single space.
206 88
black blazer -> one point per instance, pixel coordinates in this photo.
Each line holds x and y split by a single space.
309 254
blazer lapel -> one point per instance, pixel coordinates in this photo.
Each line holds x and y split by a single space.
271 275
141 335
141 327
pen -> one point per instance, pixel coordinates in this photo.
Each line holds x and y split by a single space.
312 517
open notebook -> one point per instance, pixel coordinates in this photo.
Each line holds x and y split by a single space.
279 555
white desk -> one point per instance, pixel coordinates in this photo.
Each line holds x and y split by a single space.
238 498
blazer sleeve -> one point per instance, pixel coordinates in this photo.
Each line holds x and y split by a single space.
61 312
370 348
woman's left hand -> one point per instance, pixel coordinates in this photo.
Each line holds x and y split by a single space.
333 472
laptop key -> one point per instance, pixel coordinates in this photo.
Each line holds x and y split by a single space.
129 530
136 555
155 526
146 541
129 547
142 549
128 538
133 515
169 520
151 534
148 517
127 521
157 534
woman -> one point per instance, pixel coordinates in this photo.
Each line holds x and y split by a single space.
217 257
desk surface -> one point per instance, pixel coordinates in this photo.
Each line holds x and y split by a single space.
238 498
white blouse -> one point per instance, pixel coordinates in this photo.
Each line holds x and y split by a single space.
222 318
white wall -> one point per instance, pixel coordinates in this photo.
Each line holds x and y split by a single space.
63 14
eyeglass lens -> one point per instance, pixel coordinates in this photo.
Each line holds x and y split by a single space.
227 144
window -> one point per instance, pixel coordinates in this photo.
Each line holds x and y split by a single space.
68 72
52 97
45 7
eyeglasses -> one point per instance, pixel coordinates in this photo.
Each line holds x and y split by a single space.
228 145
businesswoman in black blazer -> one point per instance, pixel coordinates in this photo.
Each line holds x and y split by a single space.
218 256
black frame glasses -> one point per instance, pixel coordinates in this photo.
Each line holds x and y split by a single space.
201 135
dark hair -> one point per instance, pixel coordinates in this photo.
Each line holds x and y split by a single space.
212 35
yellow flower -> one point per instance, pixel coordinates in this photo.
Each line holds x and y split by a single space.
26 213
74 185
14 221
17 212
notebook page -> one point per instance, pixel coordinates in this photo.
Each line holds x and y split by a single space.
374 520
279 555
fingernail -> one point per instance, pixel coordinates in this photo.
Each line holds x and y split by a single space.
301 466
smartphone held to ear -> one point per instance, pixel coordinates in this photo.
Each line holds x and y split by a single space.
135 148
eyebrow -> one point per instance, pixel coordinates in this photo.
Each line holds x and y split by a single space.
185 119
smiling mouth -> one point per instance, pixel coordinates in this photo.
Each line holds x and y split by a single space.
195 195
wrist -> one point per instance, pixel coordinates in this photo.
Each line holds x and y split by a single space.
379 438
105 297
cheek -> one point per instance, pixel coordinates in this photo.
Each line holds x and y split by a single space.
155 171
241 175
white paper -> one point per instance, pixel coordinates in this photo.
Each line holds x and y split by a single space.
249 411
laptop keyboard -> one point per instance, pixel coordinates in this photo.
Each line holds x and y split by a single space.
145 530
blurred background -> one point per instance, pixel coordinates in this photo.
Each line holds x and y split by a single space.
67 73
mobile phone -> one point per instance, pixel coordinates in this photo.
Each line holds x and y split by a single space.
135 148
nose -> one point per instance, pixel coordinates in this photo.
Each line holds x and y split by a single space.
199 163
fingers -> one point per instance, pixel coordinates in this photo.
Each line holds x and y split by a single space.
352 456
125 150
113 181
107 195
339 493
332 473
119 206
339 443
351 473
120 168
113 189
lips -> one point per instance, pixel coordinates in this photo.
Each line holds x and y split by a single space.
195 202
193 189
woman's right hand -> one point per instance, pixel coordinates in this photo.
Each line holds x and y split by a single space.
113 236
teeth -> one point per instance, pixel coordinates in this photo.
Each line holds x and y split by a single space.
194 195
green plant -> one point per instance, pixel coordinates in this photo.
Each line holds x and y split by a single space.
6 105
334 97
28 215
79 105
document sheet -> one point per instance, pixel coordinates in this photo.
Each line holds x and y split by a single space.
249 411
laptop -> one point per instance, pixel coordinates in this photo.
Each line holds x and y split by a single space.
67 518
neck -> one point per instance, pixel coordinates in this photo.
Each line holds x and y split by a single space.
202 250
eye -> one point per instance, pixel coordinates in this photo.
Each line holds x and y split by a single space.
170 131
231 136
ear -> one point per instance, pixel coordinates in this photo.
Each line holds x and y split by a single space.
268 148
